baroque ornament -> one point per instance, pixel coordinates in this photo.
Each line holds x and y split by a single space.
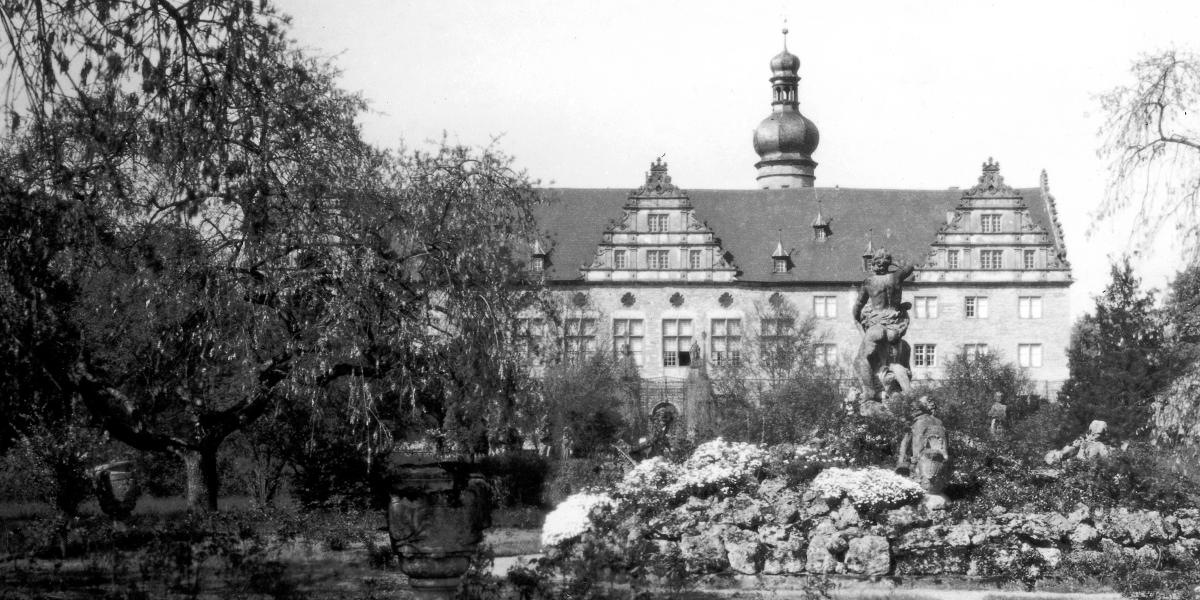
627 299
676 299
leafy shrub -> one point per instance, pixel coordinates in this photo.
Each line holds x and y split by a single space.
572 475
517 478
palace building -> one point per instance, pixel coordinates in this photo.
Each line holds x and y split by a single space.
677 277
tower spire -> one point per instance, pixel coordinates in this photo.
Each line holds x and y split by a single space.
786 139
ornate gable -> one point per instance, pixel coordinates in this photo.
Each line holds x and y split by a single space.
991 236
658 238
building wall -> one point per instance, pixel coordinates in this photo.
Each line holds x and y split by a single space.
1002 330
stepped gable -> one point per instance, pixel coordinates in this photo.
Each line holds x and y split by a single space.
749 223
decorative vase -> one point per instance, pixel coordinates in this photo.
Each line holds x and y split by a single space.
436 516
117 489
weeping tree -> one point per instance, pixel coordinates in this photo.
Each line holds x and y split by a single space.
239 244
1152 141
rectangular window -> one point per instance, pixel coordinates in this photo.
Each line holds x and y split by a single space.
1029 307
1029 259
825 307
579 338
976 307
1029 355
825 355
991 259
924 355
973 351
677 342
629 337
658 223
657 259
990 223
529 337
620 259
726 341
774 328
952 259
694 259
780 265
925 307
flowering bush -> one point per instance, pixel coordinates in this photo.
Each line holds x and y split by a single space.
651 478
572 518
870 487
721 467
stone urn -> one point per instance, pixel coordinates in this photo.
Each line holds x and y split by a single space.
437 512
117 488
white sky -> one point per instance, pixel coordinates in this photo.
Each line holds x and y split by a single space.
905 94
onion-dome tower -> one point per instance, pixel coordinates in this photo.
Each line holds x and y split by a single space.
785 140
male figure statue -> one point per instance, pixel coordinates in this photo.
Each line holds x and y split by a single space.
923 452
882 318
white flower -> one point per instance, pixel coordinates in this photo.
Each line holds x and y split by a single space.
867 487
571 518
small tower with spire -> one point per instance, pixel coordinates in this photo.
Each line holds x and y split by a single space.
785 140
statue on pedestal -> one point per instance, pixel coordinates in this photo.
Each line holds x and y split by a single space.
883 356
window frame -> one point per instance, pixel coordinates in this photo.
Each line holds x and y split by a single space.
924 356
695 259
658 260
579 338
991 259
990 223
620 259
828 307
975 307
658 222
1029 307
627 338
676 357
1029 259
953 259
921 305
729 341
1028 354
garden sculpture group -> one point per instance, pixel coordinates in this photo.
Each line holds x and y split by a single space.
883 369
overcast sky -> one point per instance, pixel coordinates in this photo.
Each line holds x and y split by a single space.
905 94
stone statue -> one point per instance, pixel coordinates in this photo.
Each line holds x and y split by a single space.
658 443
1088 446
923 453
998 415
883 320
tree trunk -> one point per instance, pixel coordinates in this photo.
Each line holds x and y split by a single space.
203 478
191 467
212 476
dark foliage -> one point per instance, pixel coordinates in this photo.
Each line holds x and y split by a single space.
1116 358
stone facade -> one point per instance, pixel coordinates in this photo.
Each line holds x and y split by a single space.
660 268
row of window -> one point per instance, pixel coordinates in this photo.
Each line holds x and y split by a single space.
657 259
976 307
926 355
991 260
725 338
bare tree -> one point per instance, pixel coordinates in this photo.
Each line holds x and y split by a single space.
1152 140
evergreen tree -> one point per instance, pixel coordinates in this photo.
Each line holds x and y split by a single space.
1116 359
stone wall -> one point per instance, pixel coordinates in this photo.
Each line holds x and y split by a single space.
780 531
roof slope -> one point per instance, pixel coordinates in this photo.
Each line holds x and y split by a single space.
750 223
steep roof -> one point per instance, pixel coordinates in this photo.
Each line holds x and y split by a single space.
750 223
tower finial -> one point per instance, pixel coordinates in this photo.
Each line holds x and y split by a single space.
785 32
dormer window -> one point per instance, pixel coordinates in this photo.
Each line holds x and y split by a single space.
821 233
780 266
537 264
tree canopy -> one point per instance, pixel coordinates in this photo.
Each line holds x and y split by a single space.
1152 141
